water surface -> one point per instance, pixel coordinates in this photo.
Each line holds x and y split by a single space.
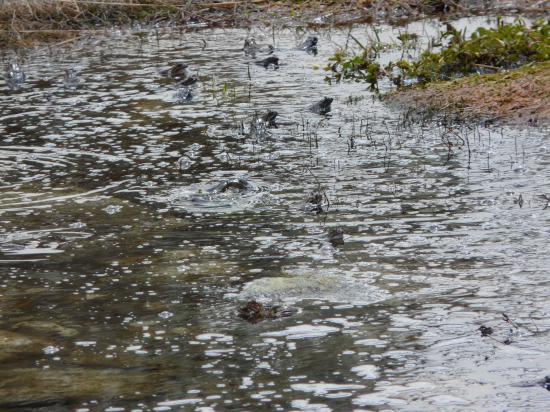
121 271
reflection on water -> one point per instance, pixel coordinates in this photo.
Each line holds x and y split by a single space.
124 251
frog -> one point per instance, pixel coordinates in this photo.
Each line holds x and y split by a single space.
177 72
237 184
255 312
310 45
271 61
322 107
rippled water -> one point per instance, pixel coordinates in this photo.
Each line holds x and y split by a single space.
121 270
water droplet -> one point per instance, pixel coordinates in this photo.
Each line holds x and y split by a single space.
50 350
112 209
165 315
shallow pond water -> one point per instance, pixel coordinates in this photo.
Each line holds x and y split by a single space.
122 269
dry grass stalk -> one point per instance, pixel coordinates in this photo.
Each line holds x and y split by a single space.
26 21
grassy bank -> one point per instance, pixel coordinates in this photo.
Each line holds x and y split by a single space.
500 73
520 96
25 22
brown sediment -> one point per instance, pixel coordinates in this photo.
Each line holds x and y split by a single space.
25 22
520 96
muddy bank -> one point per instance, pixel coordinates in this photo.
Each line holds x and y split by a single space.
23 23
518 97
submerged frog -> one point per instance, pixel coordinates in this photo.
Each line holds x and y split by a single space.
254 312
322 107
236 184
271 61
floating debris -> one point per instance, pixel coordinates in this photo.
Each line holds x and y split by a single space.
112 209
322 107
271 61
15 76
254 312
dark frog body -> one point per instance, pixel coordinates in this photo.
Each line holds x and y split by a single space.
235 185
310 45
178 72
269 117
188 81
336 237
322 107
271 61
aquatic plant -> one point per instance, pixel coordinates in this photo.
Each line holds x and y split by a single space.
487 50
360 67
